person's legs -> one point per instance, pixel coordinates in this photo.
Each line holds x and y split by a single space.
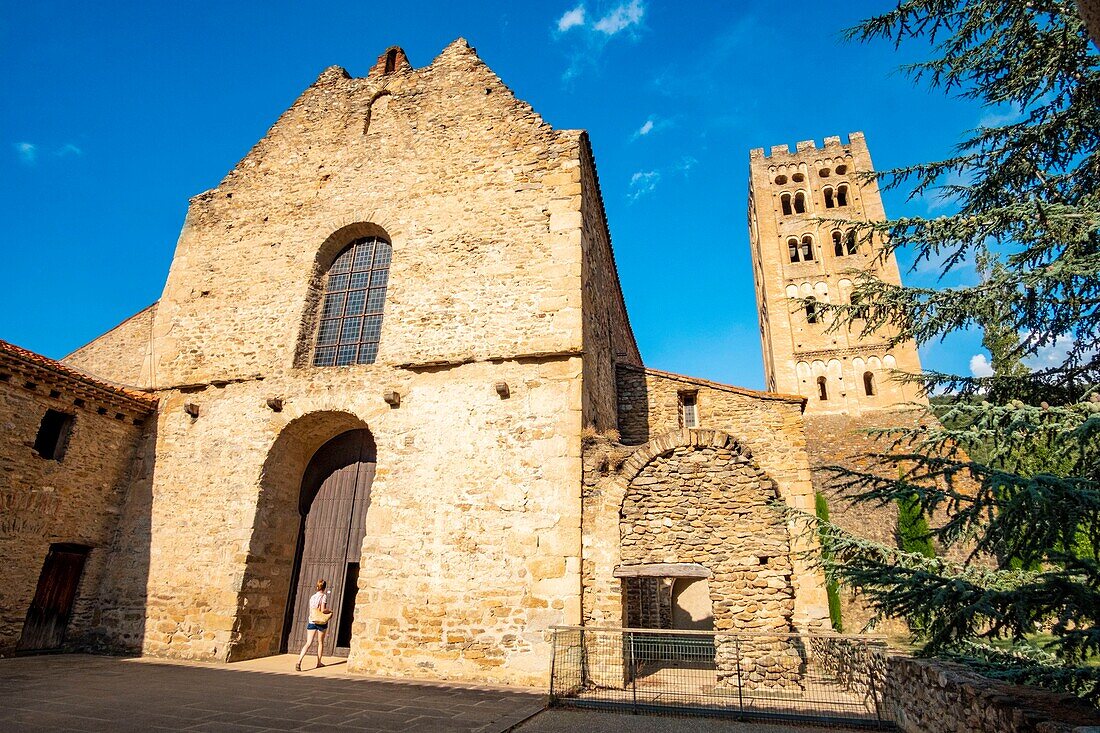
305 647
320 647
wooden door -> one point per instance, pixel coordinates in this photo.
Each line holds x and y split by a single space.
335 497
49 612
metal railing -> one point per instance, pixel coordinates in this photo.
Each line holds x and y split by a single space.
816 679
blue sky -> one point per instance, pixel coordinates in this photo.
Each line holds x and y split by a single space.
116 113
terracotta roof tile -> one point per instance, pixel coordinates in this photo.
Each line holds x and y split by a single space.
19 354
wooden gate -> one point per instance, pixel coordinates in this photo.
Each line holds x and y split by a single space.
48 616
334 500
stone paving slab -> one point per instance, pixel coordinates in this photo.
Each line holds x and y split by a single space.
75 692
570 721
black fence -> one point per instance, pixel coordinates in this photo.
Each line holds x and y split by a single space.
816 679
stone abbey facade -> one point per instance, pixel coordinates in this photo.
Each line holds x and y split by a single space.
392 351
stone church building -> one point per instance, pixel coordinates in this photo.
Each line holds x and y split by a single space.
393 352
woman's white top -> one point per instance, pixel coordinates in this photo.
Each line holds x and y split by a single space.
317 600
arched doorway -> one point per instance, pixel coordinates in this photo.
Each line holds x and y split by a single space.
335 495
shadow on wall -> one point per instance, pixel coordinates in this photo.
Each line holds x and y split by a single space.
633 406
119 623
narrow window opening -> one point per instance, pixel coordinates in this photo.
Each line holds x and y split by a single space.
842 195
822 391
869 384
807 248
829 203
792 248
838 246
860 310
785 201
351 312
689 411
53 435
850 242
391 61
811 311
800 203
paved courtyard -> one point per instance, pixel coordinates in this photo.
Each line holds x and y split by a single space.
90 693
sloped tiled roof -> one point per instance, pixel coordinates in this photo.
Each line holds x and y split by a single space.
18 356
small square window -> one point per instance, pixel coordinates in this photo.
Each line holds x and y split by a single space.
53 435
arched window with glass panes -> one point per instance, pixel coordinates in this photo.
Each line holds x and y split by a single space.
351 309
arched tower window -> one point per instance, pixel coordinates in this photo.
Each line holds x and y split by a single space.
807 248
838 246
785 202
391 61
811 310
850 242
351 314
792 248
829 203
822 390
800 203
842 195
869 383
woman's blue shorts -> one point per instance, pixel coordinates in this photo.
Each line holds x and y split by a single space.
316 627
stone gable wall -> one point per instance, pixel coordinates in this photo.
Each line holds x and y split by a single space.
123 354
470 185
473 539
44 501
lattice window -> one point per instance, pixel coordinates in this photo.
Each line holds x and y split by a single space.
351 314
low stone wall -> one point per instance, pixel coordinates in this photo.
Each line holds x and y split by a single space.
929 696
857 664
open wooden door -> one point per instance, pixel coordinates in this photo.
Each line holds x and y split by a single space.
49 613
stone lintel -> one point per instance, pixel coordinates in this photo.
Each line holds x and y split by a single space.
663 570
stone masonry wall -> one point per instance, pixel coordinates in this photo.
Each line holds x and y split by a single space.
931 696
708 504
473 532
123 354
45 501
608 337
769 425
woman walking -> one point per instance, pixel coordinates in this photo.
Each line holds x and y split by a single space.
319 614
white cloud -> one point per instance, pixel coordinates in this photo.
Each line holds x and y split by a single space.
68 149
28 152
646 128
621 18
685 164
980 366
1051 355
571 19
642 183
995 118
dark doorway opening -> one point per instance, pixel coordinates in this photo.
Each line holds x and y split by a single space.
52 606
333 504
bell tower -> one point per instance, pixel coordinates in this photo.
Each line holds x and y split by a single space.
796 256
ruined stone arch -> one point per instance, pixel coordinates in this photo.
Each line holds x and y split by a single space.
697 499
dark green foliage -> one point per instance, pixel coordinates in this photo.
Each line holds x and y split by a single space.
832 588
1013 462
914 534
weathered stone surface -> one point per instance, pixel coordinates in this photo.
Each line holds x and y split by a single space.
928 696
73 500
